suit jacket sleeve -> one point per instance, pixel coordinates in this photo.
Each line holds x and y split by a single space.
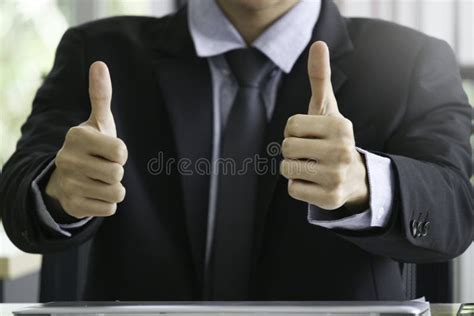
432 217
60 103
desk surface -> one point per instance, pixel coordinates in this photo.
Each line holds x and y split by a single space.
436 309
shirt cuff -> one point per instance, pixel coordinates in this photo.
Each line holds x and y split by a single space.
380 178
43 213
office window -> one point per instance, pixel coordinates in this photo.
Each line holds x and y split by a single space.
29 34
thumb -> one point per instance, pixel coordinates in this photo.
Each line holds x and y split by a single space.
100 94
323 101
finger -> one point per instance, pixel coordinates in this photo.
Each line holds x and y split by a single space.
293 169
323 101
100 94
306 148
92 189
310 171
86 207
317 126
98 144
325 152
100 169
305 191
313 194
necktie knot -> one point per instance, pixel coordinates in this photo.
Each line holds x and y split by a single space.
249 66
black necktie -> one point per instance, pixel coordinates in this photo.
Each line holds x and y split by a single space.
241 141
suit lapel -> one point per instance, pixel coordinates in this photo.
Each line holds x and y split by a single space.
293 98
184 81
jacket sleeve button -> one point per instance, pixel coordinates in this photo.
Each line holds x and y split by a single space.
414 228
425 229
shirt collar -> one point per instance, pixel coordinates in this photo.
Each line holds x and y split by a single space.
282 42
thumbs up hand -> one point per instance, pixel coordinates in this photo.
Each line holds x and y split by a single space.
89 166
321 162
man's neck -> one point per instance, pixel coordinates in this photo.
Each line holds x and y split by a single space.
250 22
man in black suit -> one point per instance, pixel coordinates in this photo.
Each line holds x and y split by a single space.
375 150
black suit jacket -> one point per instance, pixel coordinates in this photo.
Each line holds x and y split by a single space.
400 88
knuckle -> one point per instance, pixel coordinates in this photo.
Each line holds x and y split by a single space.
348 124
116 173
118 193
344 127
346 157
74 134
344 154
61 160
65 159
337 179
120 151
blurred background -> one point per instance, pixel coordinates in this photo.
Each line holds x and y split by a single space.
29 33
